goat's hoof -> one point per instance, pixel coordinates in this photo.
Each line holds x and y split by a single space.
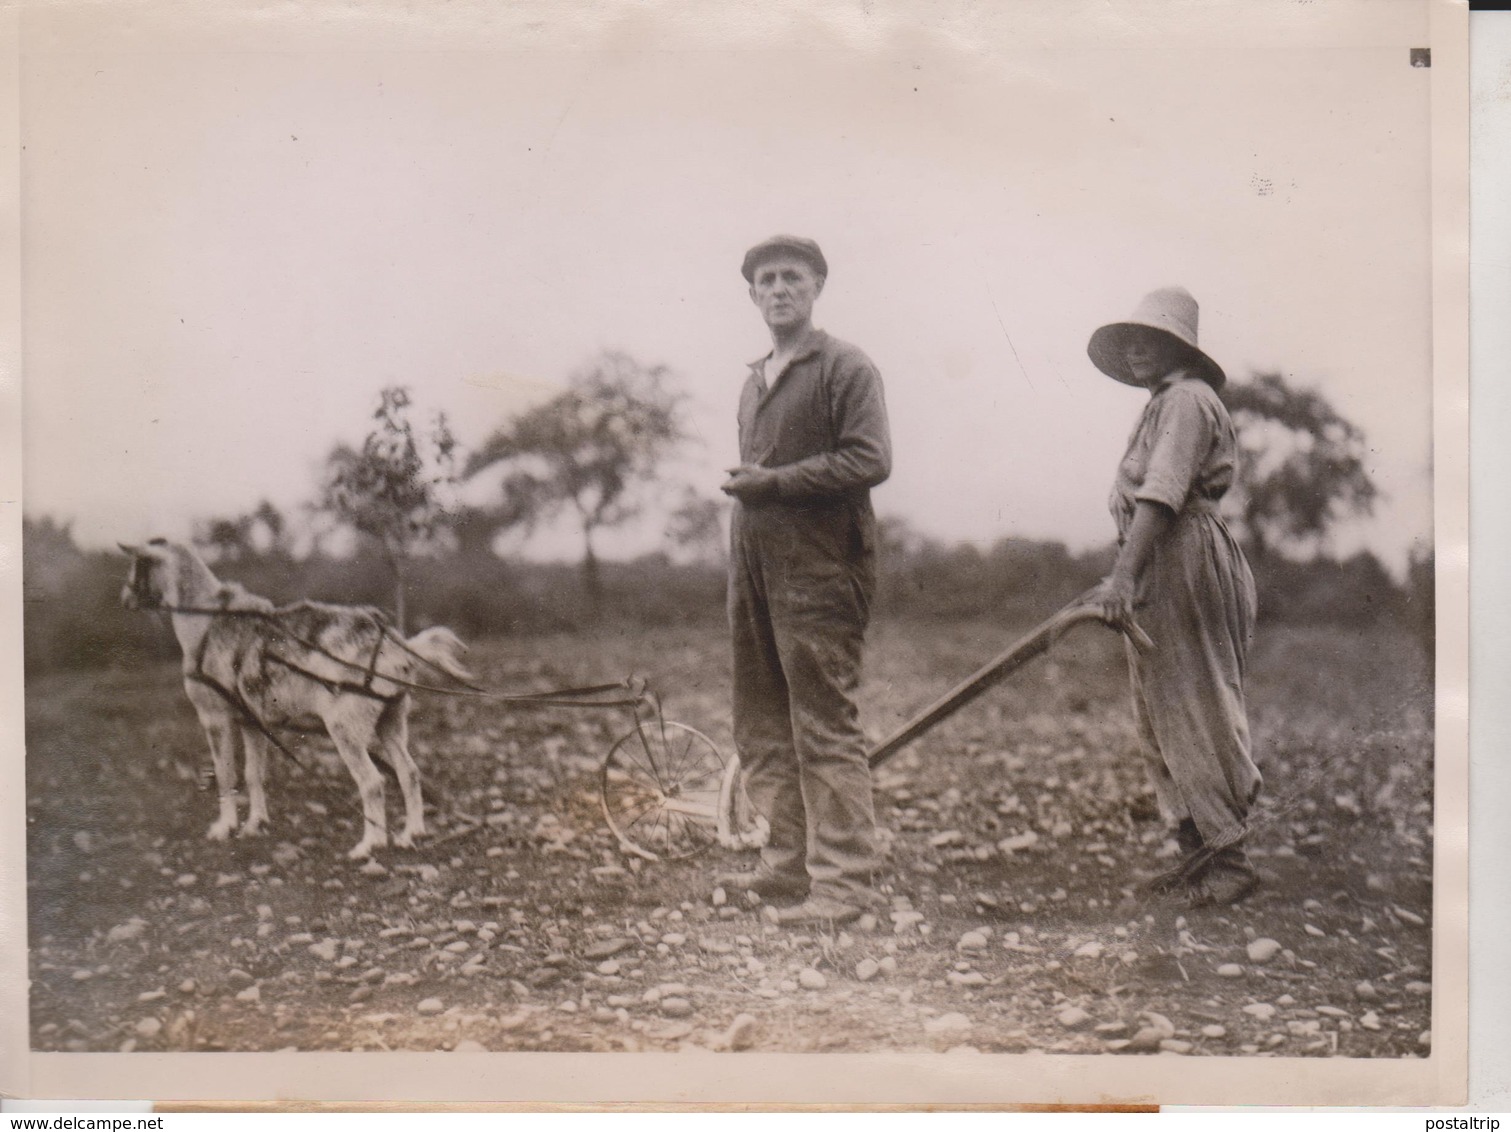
407 839
220 831
363 850
251 829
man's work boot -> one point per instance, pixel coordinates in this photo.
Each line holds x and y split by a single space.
817 912
764 883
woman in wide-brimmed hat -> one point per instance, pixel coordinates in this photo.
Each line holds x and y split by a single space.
1182 577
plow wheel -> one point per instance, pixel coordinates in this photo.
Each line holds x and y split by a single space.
661 789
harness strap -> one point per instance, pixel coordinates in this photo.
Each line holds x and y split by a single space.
244 710
372 661
556 697
334 686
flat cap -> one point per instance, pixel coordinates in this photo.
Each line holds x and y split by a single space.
783 245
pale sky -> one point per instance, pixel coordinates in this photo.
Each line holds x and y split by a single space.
237 231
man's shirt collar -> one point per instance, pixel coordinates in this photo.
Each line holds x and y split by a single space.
812 343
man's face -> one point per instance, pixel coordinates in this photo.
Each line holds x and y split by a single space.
784 289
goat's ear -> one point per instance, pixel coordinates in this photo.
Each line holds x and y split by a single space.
134 551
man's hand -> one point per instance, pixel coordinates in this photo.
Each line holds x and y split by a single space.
750 483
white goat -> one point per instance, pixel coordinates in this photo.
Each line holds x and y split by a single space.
250 667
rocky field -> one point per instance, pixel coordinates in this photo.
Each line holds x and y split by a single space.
1017 834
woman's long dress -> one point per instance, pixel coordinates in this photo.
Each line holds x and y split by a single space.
1196 600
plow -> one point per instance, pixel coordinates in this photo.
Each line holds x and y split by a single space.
667 791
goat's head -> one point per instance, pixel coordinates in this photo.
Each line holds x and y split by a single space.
153 581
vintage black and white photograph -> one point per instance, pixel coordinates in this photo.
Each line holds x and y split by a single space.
859 531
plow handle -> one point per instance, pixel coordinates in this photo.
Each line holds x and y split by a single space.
993 673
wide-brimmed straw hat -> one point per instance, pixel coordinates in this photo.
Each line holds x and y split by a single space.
1171 312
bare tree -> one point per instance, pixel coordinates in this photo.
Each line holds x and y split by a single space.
592 450
392 489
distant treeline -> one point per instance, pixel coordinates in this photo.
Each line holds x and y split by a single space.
73 617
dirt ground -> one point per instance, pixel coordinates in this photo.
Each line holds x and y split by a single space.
1018 832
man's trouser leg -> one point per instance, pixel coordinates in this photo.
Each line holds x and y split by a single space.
819 628
763 723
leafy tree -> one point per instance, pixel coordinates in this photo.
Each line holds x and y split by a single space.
275 530
262 531
592 450
50 539
1301 465
1421 598
474 529
392 490
72 597
225 540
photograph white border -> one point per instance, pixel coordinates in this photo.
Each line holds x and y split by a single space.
873 1079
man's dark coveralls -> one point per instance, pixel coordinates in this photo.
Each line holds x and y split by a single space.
802 574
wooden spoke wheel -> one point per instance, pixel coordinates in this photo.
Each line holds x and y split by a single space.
661 789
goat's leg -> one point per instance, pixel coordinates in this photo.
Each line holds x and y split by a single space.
351 741
393 748
255 747
222 737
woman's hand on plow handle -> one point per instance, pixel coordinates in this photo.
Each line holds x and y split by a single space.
1114 597
1113 602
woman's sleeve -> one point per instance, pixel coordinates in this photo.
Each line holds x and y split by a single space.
1185 431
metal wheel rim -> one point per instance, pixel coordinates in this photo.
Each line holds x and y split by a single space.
693 759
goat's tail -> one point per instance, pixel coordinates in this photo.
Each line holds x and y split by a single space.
443 648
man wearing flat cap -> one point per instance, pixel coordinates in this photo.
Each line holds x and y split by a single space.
813 442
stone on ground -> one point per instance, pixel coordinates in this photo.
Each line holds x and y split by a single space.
947 1024
1263 950
1073 1018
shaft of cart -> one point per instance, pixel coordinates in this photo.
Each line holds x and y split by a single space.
993 673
